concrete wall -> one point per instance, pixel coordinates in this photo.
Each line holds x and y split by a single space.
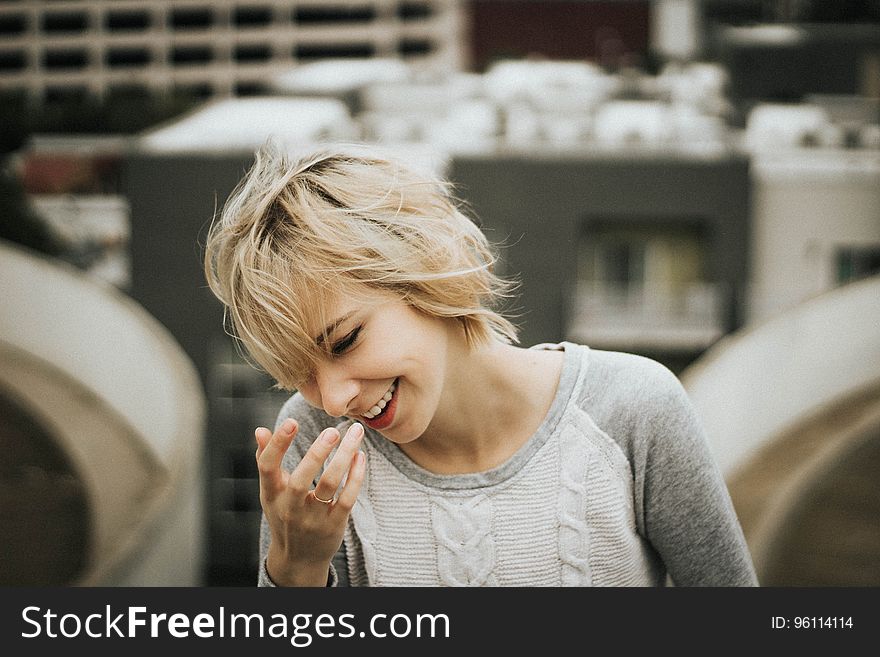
124 402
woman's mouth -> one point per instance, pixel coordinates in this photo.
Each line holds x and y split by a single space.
382 413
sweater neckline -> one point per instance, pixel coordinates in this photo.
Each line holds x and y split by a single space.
571 367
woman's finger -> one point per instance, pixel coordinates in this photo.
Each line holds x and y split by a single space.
352 487
263 436
272 453
300 480
332 476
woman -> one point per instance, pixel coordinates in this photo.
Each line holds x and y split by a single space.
421 446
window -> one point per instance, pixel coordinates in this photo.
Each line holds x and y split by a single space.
857 262
311 15
127 20
415 47
191 55
197 18
121 57
65 22
65 59
252 52
333 51
14 60
250 89
414 10
642 285
66 95
252 16
12 24
188 92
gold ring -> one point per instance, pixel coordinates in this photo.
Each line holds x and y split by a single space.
315 495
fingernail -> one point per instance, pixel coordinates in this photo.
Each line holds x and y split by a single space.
329 436
287 425
357 429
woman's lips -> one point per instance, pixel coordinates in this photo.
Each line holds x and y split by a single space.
385 419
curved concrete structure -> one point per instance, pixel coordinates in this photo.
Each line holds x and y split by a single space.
753 385
792 411
809 501
117 394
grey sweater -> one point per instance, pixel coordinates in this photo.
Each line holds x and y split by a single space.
617 487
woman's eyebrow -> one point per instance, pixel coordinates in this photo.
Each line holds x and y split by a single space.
332 326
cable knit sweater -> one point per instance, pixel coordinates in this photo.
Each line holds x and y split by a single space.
617 487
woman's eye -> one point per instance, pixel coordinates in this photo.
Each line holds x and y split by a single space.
346 342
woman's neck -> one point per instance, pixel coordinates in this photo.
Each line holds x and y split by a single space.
494 399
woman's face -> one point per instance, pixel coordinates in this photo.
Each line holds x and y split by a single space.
385 356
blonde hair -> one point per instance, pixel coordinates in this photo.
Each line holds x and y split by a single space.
294 234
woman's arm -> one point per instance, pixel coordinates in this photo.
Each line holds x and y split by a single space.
680 499
688 514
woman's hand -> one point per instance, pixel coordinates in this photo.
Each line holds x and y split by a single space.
306 531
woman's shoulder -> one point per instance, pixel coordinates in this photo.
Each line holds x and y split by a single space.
617 368
624 389
607 383
631 373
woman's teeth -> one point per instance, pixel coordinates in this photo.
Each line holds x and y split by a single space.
380 405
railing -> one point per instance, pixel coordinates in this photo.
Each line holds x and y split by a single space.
647 317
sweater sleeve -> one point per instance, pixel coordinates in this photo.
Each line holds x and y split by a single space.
688 515
311 423
682 503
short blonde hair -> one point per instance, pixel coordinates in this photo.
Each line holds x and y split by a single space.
294 234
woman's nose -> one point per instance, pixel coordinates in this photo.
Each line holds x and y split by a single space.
337 389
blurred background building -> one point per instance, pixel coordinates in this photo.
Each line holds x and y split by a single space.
697 181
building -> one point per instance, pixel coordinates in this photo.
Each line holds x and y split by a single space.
54 50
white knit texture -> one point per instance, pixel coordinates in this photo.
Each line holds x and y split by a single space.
565 519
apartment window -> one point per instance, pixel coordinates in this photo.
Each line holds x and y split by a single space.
65 94
856 263
133 21
252 16
310 52
199 91
65 59
127 92
13 24
642 254
621 262
342 14
415 47
414 10
644 287
196 18
252 52
251 89
65 22
13 60
122 57
191 55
